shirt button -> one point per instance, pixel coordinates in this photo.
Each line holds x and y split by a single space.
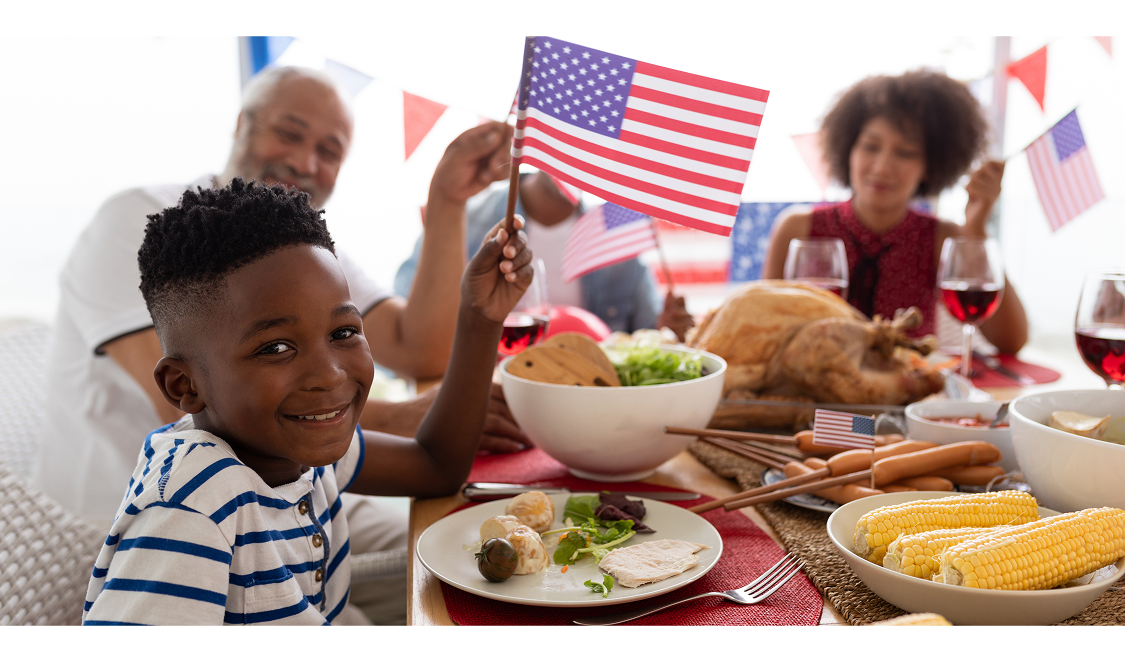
319 574
317 540
303 507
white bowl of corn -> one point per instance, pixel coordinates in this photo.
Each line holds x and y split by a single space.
1003 558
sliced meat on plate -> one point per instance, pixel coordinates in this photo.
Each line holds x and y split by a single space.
651 561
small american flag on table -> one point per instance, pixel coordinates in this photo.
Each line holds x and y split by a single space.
665 143
835 428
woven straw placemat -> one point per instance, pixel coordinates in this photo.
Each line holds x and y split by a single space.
805 533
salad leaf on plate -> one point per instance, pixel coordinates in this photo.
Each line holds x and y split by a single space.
645 366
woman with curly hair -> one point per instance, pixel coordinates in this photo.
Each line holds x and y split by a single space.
891 139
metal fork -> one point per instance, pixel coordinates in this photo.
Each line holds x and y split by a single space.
753 593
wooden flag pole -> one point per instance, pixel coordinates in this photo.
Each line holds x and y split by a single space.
513 180
663 260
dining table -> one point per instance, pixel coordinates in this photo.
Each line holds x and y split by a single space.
425 600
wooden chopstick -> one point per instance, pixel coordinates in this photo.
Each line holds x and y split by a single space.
748 453
802 489
764 489
731 434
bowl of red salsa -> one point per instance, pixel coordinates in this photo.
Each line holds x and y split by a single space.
948 421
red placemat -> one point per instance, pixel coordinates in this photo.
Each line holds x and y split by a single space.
988 378
747 553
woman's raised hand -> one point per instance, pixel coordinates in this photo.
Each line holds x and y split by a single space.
984 191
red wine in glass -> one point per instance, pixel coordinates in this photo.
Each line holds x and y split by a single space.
970 301
521 330
1103 349
836 286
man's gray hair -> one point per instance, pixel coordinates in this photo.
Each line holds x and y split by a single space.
257 91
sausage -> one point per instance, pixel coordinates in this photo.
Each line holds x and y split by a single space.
975 475
837 494
816 462
922 463
925 483
806 445
899 487
859 459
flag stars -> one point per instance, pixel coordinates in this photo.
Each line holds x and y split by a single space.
612 128
589 98
585 114
554 72
557 111
558 95
598 92
566 49
593 123
572 77
573 116
574 60
562 82
590 83
586 56
554 56
609 88
612 72
606 104
613 112
545 60
547 44
594 67
605 60
563 66
620 81
550 86
624 65
580 87
601 76
538 50
617 97
582 71
570 93
602 118
566 106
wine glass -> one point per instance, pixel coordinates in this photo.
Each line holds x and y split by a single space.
971 280
527 323
1099 326
821 262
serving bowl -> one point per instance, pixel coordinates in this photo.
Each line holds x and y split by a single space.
614 434
918 426
961 605
1065 471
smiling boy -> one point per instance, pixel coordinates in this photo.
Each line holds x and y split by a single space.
233 514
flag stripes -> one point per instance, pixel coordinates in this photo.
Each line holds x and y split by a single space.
594 244
834 428
661 142
1064 174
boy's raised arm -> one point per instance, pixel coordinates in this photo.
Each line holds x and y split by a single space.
439 459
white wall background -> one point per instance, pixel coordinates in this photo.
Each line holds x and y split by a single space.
90 115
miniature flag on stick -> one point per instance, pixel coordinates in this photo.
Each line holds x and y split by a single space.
835 428
665 143
603 236
1063 172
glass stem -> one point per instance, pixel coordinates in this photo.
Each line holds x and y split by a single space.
967 349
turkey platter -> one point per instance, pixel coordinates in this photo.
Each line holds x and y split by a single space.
784 340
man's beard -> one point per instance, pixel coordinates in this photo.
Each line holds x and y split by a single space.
243 165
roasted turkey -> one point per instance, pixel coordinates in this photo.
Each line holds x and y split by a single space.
789 341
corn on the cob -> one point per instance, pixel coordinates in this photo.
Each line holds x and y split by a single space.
916 619
878 528
918 554
1038 555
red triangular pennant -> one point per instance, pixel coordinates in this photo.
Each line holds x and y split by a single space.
419 115
1032 72
1107 44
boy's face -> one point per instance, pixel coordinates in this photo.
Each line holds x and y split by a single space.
284 349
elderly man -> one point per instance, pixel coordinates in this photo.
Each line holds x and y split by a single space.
294 129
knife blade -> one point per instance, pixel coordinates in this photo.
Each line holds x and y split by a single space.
993 363
490 491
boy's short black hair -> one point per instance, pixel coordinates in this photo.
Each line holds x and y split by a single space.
940 111
190 249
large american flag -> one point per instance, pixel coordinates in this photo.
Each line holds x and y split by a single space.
669 144
605 235
835 428
1063 172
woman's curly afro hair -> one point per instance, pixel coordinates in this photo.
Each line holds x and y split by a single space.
939 110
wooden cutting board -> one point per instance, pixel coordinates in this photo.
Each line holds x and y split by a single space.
587 348
555 365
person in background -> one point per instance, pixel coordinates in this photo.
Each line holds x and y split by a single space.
891 139
294 129
623 295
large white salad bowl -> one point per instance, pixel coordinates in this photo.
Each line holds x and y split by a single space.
614 433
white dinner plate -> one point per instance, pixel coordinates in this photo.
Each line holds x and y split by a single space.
441 548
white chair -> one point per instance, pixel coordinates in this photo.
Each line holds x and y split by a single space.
46 553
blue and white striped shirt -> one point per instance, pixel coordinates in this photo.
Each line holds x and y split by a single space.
200 538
